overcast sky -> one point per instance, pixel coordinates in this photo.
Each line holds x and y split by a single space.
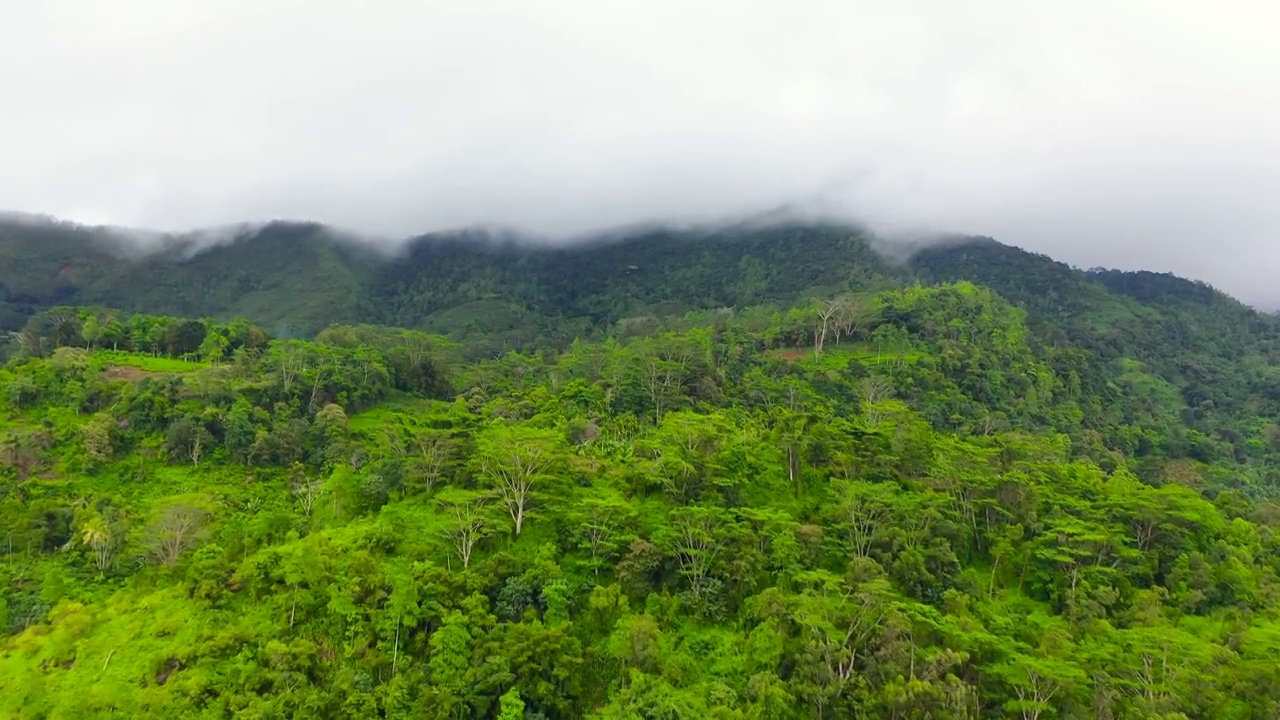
1127 133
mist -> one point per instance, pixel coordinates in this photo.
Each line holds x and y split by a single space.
1126 133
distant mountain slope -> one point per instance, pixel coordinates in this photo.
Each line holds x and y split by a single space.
297 278
291 277
1105 307
44 263
1222 357
602 281
1196 358
1045 287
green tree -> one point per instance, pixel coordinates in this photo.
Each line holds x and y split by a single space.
511 707
603 522
515 461
95 435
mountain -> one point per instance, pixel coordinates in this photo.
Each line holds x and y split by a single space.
1219 356
757 471
292 277
297 278
1213 359
495 291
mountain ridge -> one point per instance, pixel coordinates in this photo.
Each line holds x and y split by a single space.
300 276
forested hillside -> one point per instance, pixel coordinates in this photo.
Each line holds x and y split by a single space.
910 502
751 472
495 291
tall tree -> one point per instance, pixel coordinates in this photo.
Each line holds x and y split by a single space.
515 460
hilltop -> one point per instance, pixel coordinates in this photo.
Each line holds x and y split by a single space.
297 278
512 291
495 291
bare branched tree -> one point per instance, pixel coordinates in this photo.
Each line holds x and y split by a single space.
664 369
103 541
827 311
514 470
308 492
853 315
467 528
433 451
179 527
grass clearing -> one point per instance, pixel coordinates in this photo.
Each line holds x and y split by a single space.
379 415
125 363
835 356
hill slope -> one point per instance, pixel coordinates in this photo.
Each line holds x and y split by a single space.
775 477
1197 354
298 278
1216 355
931 517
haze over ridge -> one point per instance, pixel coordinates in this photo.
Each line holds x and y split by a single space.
1132 134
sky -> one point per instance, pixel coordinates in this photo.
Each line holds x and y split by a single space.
1123 133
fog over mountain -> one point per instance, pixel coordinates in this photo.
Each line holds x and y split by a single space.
1127 133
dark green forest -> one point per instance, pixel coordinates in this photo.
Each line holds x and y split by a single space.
751 473
495 292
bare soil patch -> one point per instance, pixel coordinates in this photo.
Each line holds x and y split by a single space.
126 372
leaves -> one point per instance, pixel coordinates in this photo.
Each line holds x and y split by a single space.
946 512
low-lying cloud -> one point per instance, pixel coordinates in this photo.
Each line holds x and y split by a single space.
1131 133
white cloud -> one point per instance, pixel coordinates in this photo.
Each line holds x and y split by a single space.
1125 132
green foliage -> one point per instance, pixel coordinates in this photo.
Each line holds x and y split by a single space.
903 502
497 295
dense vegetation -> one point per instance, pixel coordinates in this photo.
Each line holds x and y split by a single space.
494 292
752 474
909 503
